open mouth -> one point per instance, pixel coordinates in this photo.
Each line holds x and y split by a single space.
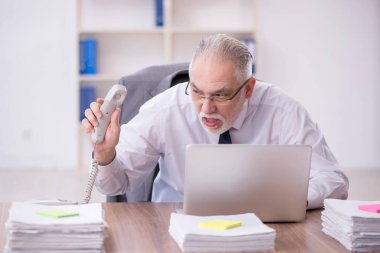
211 122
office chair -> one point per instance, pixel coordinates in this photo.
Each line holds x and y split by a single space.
142 86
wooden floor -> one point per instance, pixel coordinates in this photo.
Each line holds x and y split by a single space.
22 185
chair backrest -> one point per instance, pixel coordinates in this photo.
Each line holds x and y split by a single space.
142 86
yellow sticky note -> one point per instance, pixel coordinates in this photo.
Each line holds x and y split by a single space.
220 224
57 213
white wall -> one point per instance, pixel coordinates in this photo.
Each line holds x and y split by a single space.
39 99
326 53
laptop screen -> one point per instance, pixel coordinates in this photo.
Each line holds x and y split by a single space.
268 180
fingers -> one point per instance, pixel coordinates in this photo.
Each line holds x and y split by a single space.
87 126
95 108
91 118
92 115
115 118
100 101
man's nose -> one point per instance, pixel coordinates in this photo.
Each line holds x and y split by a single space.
208 105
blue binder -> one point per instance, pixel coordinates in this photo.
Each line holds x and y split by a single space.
87 95
88 55
159 13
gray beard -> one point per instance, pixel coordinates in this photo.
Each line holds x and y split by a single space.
225 126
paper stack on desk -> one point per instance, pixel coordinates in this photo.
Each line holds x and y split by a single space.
356 229
69 228
247 233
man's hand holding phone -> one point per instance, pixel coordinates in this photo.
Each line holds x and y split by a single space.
102 123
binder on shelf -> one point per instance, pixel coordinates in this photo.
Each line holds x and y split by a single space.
159 13
88 55
87 95
251 44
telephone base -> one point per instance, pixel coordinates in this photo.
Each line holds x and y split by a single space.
57 202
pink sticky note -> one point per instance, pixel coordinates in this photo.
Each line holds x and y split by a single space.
373 208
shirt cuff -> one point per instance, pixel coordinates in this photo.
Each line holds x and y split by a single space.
314 200
105 170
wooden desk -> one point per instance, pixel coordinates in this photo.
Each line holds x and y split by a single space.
143 227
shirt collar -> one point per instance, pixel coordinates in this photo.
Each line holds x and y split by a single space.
240 119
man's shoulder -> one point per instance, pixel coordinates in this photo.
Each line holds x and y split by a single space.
272 95
169 98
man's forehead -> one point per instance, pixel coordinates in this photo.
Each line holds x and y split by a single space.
214 73
213 61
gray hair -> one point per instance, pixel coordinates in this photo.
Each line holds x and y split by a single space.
226 48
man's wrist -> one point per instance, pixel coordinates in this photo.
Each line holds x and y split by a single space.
104 158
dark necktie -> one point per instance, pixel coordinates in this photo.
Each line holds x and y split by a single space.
225 138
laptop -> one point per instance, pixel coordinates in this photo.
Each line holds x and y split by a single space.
269 180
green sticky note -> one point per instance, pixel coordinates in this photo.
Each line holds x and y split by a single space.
57 213
220 224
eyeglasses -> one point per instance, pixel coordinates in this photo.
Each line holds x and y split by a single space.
218 98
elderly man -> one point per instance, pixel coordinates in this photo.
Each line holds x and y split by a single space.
221 100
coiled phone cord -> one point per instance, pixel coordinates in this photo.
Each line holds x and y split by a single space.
91 180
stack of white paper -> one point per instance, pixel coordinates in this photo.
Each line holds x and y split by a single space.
28 231
357 230
252 235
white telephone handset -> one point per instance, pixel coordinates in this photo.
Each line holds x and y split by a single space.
114 98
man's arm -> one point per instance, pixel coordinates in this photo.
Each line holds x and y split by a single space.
136 155
326 178
326 181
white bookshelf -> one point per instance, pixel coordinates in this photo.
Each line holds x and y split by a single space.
128 39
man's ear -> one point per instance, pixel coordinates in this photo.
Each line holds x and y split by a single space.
249 88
